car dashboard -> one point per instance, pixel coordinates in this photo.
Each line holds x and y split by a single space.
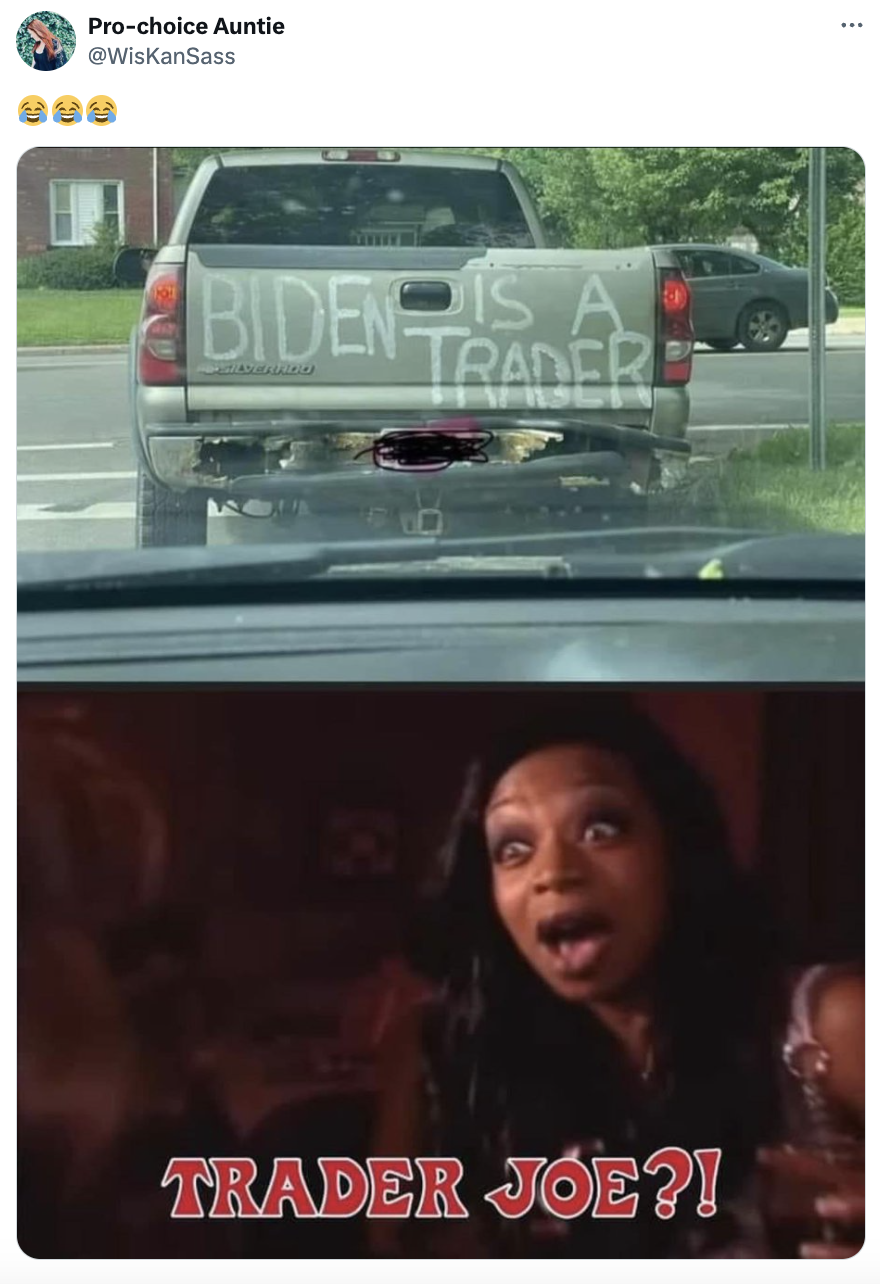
461 637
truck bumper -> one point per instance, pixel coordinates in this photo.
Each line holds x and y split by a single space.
557 480
175 448
671 413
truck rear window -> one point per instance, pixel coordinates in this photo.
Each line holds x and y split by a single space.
373 205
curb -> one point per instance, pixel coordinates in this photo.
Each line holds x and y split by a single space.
851 327
745 428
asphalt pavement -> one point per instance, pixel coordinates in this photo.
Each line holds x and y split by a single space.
76 467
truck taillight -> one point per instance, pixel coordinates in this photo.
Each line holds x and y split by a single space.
161 331
675 346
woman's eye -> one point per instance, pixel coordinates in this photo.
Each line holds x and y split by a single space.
511 852
603 831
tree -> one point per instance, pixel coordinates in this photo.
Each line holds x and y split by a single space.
619 196
846 255
186 160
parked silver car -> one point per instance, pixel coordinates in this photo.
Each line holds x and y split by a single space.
741 298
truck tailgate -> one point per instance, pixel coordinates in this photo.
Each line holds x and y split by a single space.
365 329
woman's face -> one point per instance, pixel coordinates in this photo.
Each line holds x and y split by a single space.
579 869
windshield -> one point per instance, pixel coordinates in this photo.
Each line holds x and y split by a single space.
340 348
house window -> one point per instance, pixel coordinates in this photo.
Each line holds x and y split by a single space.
79 209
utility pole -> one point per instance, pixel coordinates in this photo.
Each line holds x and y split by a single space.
817 212
156 197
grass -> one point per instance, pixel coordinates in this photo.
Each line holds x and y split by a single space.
76 317
773 486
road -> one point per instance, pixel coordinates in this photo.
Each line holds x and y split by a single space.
76 470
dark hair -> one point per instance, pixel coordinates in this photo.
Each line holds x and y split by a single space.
512 1067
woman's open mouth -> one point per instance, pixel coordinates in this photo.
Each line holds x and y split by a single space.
575 940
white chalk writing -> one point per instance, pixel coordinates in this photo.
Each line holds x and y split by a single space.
224 318
284 315
527 316
596 362
435 336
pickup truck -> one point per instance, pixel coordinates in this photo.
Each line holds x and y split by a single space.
388 338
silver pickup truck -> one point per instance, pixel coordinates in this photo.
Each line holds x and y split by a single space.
386 337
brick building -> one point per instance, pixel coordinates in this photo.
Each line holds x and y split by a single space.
65 192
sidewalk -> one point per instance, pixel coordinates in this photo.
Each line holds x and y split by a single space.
846 325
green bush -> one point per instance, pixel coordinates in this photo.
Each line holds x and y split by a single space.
60 28
88 268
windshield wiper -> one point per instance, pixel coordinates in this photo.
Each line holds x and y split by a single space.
629 555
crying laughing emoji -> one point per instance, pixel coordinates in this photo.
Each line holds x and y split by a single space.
32 111
67 110
101 110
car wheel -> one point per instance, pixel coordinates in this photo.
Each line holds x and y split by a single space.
763 327
722 345
166 519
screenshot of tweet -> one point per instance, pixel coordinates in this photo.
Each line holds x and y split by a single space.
440 639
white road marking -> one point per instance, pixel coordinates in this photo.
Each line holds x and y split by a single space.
94 513
74 477
76 445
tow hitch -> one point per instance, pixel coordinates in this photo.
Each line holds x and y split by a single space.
426 520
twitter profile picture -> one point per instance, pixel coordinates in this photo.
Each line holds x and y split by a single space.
45 40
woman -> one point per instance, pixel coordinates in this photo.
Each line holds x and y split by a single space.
606 983
48 52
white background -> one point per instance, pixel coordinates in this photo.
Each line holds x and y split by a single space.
430 73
